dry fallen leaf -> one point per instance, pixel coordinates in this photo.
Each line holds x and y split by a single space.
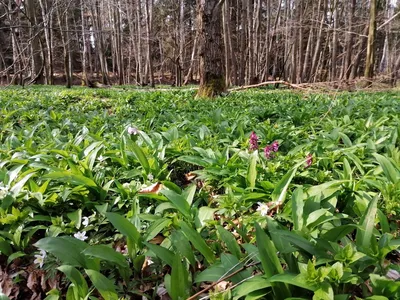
154 188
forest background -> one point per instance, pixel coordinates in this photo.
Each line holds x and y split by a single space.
148 42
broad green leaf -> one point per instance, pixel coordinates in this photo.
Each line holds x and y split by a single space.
182 246
67 249
179 280
279 194
383 221
195 160
391 172
162 253
297 208
106 253
367 225
14 256
213 273
76 217
204 214
178 201
298 241
258 282
76 278
53 294
189 193
198 242
155 228
270 262
232 264
68 177
104 285
337 233
139 154
252 170
229 241
293 279
125 227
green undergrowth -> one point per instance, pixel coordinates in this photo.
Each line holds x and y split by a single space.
121 193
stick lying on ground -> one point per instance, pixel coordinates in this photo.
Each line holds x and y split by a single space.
266 83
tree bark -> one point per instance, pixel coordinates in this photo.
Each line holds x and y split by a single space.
36 60
212 77
370 59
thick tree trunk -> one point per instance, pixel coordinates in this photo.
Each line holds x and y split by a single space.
212 77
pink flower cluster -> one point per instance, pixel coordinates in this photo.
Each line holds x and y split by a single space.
309 160
253 141
268 150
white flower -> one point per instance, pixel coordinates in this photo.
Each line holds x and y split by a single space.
80 235
126 185
263 209
3 192
85 221
101 158
150 177
133 130
39 258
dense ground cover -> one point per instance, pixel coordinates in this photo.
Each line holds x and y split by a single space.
122 194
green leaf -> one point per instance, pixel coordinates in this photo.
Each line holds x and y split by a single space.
337 233
367 225
213 273
279 194
270 262
391 172
252 170
76 278
106 253
182 246
298 241
232 264
195 160
14 256
68 177
5 247
76 217
139 154
53 294
383 221
179 280
67 249
297 208
125 227
178 201
155 228
258 282
293 279
229 241
162 253
198 242
104 285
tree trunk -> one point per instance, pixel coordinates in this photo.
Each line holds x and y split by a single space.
37 61
212 77
370 59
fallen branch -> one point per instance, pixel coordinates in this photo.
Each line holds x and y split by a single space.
295 86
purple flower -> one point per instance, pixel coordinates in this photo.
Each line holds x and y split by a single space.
253 141
309 160
267 152
132 130
275 146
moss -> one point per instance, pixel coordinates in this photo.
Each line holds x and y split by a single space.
214 86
